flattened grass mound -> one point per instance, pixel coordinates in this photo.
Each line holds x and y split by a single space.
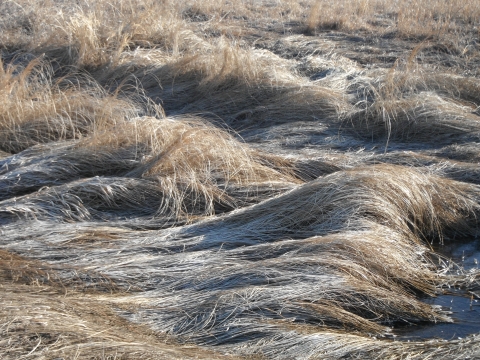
357 261
51 325
175 168
417 205
190 179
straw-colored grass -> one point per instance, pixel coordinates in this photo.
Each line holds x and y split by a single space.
253 179
177 168
36 108
410 19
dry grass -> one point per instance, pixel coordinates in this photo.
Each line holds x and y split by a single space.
38 109
174 168
49 325
262 179
410 19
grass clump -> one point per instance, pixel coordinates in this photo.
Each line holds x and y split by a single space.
37 108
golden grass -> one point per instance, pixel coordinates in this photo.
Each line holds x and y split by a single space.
38 109
263 179
411 19
47 324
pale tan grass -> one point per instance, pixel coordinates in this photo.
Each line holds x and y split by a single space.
49 323
188 167
38 109
410 18
131 216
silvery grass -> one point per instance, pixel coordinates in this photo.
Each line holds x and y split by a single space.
343 252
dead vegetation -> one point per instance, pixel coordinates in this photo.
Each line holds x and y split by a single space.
261 179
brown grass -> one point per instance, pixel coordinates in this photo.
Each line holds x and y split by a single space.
410 19
49 324
38 109
199 179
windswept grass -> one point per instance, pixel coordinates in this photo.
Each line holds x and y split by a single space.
171 167
36 108
253 179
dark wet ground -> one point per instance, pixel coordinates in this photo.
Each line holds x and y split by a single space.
465 313
463 305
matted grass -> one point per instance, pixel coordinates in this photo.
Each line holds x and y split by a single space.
251 179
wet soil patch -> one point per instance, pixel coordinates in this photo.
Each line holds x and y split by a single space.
463 304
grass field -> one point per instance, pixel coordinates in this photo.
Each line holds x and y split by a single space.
259 179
